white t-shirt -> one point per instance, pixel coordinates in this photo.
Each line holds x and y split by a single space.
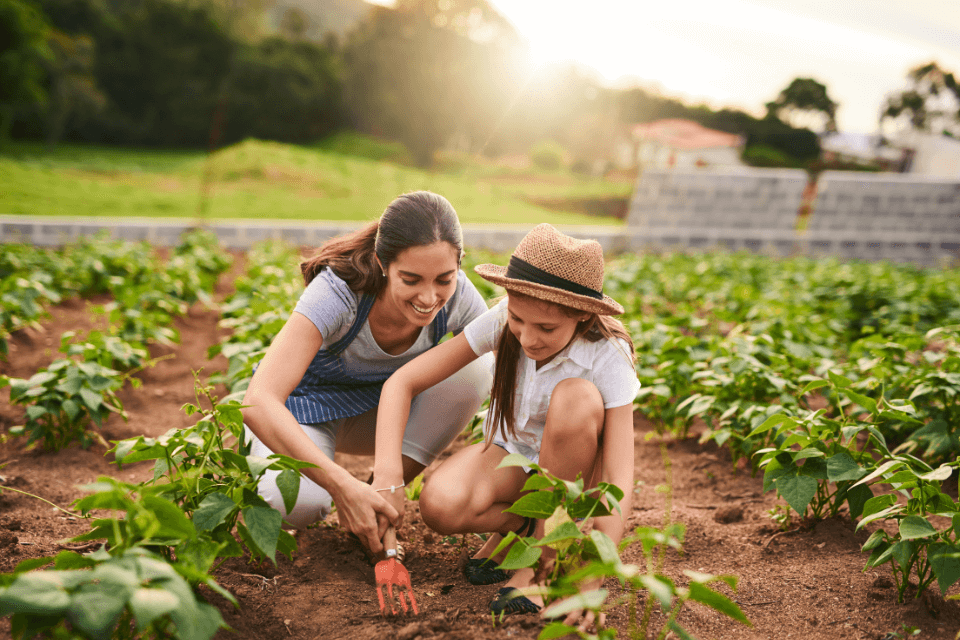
605 363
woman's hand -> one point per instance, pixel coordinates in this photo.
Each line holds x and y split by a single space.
365 513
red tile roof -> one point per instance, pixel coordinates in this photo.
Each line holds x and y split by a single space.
684 134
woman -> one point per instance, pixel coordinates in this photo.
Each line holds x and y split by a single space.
374 300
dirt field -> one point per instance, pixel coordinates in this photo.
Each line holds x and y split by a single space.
805 583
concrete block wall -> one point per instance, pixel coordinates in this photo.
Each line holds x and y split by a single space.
885 203
740 199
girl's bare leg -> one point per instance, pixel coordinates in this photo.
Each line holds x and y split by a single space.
570 446
467 493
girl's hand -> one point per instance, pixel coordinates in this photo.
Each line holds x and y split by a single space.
365 513
581 619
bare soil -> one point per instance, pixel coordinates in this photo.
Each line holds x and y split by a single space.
807 582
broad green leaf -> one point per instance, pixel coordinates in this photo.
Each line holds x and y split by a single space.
813 385
882 469
520 556
263 525
556 630
38 593
257 465
149 604
212 511
606 548
841 381
590 600
857 497
173 522
941 473
96 607
771 422
559 530
715 600
867 403
797 490
904 552
842 466
288 482
538 504
516 460
537 482
945 561
91 399
913 527
659 588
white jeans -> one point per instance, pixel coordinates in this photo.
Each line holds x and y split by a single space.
437 416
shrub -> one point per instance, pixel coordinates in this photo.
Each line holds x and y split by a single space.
547 155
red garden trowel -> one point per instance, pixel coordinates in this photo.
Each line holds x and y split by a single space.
390 573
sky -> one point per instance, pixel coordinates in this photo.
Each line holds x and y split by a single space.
742 53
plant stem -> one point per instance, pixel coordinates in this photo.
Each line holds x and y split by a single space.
66 511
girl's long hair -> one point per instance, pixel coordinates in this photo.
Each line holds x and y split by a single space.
411 220
501 412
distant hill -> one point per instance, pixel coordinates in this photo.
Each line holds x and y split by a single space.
322 16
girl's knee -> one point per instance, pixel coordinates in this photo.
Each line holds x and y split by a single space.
443 505
576 405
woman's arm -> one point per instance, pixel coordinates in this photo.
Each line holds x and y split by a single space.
278 374
421 373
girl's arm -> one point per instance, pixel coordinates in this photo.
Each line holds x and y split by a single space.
617 468
278 374
421 373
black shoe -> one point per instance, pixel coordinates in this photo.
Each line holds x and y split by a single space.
483 571
509 600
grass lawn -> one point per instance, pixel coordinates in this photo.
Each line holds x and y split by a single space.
344 178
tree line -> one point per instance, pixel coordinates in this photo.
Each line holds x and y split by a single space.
429 73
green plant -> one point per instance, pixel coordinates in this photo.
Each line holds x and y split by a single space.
63 400
547 155
208 472
918 547
98 596
813 451
577 559
140 583
414 487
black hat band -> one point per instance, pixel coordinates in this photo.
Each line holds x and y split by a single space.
519 269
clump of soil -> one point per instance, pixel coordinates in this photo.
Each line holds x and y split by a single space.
807 582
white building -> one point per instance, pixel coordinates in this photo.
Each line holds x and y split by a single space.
684 144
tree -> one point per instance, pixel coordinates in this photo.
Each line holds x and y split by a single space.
73 87
931 102
23 49
803 102
428 70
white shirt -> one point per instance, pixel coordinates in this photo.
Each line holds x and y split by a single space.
605 363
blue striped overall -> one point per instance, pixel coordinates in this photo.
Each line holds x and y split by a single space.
327 392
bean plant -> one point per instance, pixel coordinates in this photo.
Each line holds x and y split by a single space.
207 470
64 401
578 558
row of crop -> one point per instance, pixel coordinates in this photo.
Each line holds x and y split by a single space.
64 399
200 508
840 381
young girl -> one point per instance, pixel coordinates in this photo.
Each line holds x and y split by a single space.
374 300
562 396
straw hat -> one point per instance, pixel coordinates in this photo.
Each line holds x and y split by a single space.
554 267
